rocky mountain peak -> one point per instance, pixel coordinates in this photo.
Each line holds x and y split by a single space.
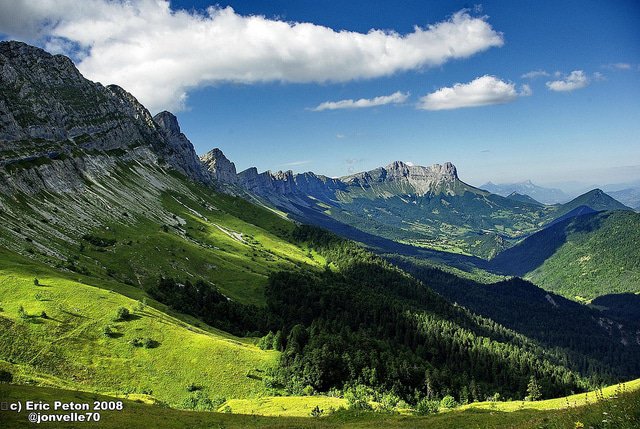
168 122
222 170
179 151
57 128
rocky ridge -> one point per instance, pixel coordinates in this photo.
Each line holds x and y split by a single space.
60 131
422 180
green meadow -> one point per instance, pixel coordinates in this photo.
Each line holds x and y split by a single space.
614 412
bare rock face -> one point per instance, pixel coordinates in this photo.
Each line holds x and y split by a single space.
422 180
179 151
220 168
59 130
395 177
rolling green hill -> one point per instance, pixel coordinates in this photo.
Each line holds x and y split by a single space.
585 256
617 406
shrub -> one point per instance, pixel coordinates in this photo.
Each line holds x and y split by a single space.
22 314
448 402
427 406
108 331
389 402
193 387
199 401
358 397
317 412
148 343
266 342
122 314
99 241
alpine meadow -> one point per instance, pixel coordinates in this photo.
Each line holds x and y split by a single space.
319 214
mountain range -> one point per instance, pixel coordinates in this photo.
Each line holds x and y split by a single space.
391 203
131 266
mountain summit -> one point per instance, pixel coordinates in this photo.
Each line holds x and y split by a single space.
423 180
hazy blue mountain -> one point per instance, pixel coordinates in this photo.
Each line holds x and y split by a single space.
628 196
538 193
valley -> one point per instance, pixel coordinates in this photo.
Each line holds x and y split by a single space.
132 268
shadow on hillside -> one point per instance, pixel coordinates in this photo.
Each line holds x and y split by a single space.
531 253
549 319
384 245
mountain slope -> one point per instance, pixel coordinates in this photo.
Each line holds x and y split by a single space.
523 198
426 207
144 221
595 199
628 196
68 335
588 256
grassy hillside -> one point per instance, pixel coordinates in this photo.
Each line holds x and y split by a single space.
586 256
59 338
619 411
141 223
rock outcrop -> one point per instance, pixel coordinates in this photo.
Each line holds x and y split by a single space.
59 130
412 178
423 180
179 151
220 168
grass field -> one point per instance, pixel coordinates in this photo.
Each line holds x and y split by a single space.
150 352
621 412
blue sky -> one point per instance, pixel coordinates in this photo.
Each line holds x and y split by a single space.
578 120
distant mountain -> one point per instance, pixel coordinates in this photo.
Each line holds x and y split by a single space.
588 256
523 198
427 207
595 199
538 193
629 197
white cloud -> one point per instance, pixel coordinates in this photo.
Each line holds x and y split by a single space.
159 54
618 66
481 91
535 74
525 90
575 80
395 98
294 163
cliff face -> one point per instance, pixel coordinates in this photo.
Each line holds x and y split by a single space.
410 178
179 151
59 130
423 180
220 168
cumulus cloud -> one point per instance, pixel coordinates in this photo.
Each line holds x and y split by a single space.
535 74
481 91
395 98
575 80
159 54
